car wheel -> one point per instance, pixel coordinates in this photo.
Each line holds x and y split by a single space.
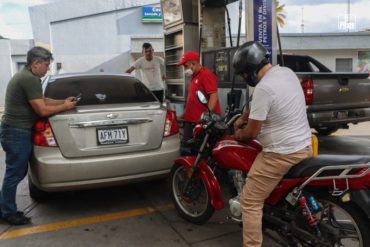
325 131
35 193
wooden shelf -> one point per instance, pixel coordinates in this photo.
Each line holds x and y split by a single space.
177 40
169 48
179 81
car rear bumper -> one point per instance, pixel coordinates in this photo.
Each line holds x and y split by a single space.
339 117
51 171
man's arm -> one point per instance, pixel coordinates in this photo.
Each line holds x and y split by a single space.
243 119
49 101
129 70
212 101
44 110
162 68
249 132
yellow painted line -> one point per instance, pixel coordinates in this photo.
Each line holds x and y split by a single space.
77 222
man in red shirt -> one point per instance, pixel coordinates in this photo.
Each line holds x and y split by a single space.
201 79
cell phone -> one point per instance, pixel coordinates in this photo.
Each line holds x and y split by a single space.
79 97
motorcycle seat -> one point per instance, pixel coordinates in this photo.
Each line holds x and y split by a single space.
309 166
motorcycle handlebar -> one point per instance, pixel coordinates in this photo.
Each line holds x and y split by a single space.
233 119
211 120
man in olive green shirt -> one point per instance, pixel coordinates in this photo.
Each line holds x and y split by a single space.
24 104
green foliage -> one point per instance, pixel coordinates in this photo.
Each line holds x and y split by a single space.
280 13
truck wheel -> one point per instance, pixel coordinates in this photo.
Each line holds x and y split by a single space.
325 131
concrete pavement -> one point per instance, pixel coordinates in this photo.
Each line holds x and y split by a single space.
144 215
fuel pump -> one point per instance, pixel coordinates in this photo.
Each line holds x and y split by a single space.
201 25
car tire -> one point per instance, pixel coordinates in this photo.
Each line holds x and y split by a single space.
325 131
35 193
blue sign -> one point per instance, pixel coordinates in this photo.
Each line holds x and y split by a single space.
151 14
262 19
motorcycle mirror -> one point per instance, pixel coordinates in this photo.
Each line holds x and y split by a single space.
202 99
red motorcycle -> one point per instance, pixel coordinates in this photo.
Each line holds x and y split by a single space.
322 201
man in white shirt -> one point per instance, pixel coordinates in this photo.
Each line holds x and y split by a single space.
152 70
278 119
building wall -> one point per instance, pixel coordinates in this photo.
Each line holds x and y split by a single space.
99 38
12 52
42 15
5 68
327 47
328 57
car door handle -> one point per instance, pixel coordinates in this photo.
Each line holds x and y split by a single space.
109 122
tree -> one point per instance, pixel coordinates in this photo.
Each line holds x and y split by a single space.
280 13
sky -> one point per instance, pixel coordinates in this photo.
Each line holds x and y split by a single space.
316 15
14 18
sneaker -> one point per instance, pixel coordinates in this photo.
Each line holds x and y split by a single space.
17 218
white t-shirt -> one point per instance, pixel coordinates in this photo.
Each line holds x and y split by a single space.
279 102
151 72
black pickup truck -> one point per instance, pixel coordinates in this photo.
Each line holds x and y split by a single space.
333 99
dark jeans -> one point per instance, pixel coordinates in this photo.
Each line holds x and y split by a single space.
159 94
17 144
188 132
187 136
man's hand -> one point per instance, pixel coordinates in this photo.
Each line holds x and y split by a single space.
70 103
71 98
248 132
238 134
241 122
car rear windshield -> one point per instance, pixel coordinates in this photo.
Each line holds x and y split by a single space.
97 90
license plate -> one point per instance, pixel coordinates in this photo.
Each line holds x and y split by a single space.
342 115
111 136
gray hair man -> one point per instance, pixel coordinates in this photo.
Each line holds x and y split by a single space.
24 104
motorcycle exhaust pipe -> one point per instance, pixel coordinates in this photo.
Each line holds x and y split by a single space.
229 217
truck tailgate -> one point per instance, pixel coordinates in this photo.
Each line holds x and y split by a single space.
338 90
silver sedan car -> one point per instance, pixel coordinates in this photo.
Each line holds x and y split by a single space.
118 133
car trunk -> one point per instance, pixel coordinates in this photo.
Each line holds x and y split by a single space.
92 131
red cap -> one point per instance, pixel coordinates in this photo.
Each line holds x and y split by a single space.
189 56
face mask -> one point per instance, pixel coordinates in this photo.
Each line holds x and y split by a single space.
188 72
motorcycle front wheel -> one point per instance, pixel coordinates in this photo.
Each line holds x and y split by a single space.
194 204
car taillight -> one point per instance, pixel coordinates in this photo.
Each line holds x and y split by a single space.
170 126
307 86
43 134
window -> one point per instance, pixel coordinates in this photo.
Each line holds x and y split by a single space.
21 65
343 65
99 90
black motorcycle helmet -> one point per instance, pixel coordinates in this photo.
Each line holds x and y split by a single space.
248 59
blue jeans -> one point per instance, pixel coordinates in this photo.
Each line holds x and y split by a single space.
17 144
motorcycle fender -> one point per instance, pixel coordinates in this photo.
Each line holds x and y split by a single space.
362 199
209 179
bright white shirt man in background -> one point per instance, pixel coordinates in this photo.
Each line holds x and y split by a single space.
278 119
152 70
